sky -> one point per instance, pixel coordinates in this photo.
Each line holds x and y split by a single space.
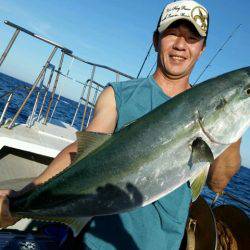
118 34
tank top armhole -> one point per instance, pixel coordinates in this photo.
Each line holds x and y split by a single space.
118 97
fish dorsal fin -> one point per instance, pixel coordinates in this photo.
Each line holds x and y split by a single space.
201 153
88 142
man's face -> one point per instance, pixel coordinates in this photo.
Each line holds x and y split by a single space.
179 47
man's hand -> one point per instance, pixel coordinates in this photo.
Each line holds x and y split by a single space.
6 218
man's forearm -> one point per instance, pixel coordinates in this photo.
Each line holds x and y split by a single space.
62 161
224 168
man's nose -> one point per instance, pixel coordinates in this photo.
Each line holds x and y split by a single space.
180 43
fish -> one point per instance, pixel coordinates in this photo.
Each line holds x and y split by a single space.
148 158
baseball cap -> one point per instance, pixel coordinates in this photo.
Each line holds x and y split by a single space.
188 10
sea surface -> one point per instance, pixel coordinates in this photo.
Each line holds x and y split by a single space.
239 186
64 111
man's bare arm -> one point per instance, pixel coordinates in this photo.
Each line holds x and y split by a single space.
104 121
224 168
105 117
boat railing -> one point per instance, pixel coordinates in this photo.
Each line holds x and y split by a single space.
91 88
9 95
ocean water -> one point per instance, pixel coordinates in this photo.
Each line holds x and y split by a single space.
238 186
65 108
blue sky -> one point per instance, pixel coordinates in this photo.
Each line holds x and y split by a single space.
116 33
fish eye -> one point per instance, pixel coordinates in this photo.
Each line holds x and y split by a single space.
248 91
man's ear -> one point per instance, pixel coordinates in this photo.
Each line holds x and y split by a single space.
202 50
156 40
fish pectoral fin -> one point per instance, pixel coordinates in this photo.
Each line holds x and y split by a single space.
201 152
88 142
197 183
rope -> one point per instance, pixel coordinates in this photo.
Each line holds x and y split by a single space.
225 237
151 69
70 65
216 54
145 60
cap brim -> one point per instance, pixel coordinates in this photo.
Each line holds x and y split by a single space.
174 19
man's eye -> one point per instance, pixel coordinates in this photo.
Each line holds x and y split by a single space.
172 32
193 39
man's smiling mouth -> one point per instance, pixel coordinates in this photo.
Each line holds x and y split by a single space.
178 58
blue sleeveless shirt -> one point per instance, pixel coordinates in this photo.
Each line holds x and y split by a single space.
159 225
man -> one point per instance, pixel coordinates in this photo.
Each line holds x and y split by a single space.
179 40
